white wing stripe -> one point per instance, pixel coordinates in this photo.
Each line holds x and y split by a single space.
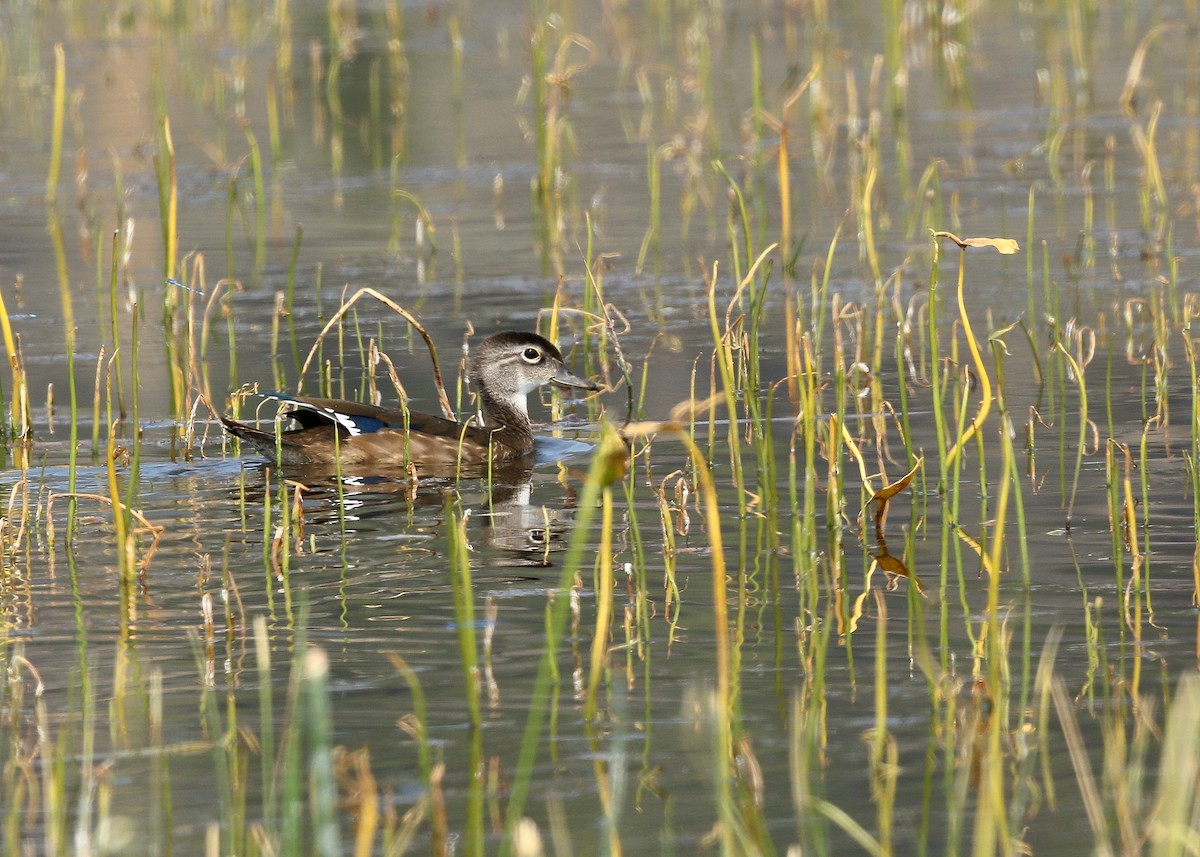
346 422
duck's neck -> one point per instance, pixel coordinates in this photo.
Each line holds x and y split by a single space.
508 421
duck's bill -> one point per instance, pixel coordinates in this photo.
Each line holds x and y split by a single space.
564 377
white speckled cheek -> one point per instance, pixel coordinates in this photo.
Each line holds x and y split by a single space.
518 401
526 387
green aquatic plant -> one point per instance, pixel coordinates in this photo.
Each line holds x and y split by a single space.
1003 245
733 541
464 616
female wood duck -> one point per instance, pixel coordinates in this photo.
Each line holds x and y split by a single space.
505 368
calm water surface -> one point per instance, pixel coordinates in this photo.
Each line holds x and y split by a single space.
370 574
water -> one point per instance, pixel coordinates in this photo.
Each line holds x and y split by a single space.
369 572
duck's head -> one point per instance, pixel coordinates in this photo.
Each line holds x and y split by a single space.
506 367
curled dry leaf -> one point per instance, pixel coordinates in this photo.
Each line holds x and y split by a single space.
895 568
1007 246
881 497
887 492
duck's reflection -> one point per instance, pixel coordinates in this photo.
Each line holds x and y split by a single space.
517 515
520 528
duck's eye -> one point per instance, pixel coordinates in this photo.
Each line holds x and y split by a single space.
532 355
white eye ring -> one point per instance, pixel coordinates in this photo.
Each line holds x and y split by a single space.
531 355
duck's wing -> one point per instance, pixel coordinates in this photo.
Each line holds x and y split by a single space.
356 418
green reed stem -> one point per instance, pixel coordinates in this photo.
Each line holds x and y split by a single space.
1014 476
278 375
291 776
727 710
651 241
420 718
607 465
266 719
54 226
231 210
884 753
322 780
224 743
113 320
723 354
1084 422
56 133
468 646
289 301
260 202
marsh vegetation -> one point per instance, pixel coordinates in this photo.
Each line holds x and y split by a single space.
885 536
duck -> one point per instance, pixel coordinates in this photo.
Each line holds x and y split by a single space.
504 368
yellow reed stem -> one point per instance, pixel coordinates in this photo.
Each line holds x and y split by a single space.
20 393
985 384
